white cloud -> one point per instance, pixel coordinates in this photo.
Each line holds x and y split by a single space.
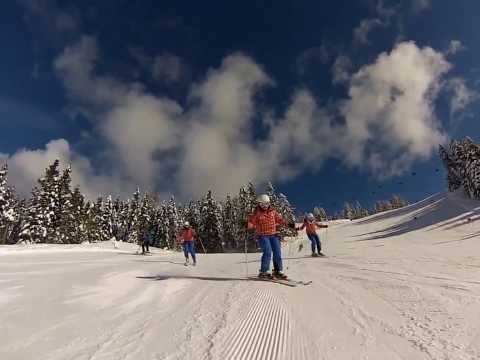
341 69
391 105
461 95
26 166
218 150
454 47
387 123
52 18
360 33
382 18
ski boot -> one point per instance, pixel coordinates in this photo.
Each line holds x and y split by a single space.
264 275
321 254
279 275
186 262
315 255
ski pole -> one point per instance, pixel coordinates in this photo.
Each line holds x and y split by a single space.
203 247
289 254
246 256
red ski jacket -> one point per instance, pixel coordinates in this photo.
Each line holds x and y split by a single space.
187 235
265 221
311 227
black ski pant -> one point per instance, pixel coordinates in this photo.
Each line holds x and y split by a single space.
145 247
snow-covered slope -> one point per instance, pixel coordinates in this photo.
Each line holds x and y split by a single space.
404 284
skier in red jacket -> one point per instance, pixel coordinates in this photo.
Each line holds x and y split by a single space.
187 236
311 229
264 221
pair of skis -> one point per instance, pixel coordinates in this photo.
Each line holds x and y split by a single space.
287 282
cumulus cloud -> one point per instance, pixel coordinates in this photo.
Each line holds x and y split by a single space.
53 22
454 47
386 123
218 149
360 33
382 18
391 108
341 69
26 166
461 95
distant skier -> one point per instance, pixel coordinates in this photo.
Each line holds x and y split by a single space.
187 237
311 229
264 221
147 237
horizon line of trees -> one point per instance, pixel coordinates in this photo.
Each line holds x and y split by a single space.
353 211
56 213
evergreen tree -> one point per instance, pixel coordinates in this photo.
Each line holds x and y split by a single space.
286 210
357 211
133 235
78 216
348 211
110 218
246 206
9 215
210 230
173 223
44 210
65 217
319 213
364 213
230 224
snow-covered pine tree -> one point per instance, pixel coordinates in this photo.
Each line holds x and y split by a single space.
109 219
173 224
357 211
231 224
319 213
43 214
94 213
79 217
348 211
145 215
65 218
163 226
471 173
210 230
454 179
9 215
462 162
286 210
379 206
122 210
364 213
271 192
246 206
133 218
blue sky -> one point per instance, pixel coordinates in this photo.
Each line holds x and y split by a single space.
333 101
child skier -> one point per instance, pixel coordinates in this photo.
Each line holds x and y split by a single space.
146 238
311 229
187 236
264 222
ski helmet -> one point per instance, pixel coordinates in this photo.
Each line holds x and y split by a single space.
186 224
310 216
263 200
